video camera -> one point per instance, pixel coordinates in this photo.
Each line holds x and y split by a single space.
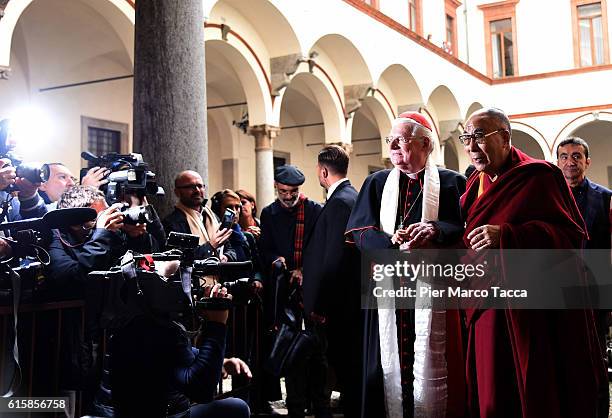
213 267
128 173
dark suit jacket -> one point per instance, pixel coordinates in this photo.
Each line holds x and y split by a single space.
327 258
597 216
177 222
278 232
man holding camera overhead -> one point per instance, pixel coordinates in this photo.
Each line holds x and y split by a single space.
192 216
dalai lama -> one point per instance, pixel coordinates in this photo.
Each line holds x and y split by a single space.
524 363
414 205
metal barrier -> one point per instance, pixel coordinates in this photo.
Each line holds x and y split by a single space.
40 332
44 334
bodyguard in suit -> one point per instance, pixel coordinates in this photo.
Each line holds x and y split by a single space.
594 204
331 273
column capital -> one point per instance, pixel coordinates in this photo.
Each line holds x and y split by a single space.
264 134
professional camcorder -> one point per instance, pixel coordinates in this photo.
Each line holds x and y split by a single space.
211 267
128 174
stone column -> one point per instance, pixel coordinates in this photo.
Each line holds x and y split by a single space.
170 90
264 163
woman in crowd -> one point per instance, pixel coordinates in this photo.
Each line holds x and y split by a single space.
248 213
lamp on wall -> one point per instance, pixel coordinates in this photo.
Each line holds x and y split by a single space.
243 123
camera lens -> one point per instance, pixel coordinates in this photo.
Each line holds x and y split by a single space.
33 172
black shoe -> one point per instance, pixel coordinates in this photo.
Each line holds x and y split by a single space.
264 409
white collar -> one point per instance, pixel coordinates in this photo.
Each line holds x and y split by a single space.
334 186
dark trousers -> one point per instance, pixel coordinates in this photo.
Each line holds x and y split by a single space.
308 380
224 408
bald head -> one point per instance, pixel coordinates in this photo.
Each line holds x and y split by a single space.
189 188
493 151
495 114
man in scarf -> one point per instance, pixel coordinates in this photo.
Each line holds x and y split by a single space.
192 216
414 205
524 363
284 225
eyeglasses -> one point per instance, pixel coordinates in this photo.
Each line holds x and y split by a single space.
400 139
234 207
288 192
478 136
191 186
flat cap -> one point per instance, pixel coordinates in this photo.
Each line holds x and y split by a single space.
289 175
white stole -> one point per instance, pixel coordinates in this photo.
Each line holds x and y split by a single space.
430 371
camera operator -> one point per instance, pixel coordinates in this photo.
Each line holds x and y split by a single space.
28 204
61 179
191 216
242 242
97 245
157 373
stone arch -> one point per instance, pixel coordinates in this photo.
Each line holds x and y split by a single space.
368 127
443 108
118 13
326 97
399 89
529 140
252 80
445 104
471 109
595 130
337 59
274 33
577 122
70 59
309 118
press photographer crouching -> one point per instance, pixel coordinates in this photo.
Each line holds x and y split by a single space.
157 373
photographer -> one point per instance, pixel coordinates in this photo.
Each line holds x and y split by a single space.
191 216
242 242
97 245
61 179
28 204
157 373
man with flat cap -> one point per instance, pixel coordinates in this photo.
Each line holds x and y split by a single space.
284 224
413 361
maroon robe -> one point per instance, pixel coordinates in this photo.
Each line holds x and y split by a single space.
530 363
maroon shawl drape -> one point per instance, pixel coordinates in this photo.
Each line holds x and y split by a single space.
530 363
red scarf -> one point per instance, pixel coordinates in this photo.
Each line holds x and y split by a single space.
298 242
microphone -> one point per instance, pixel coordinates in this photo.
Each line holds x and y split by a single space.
56 219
